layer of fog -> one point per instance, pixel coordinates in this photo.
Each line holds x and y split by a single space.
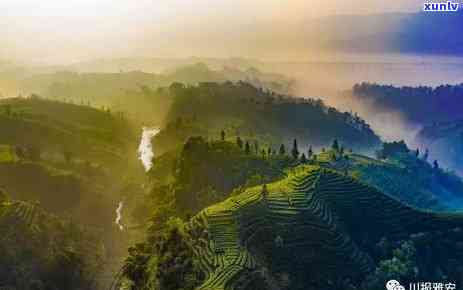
333 81
77 30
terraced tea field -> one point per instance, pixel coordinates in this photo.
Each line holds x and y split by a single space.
315 222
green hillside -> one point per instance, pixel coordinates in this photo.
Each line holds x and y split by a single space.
404 176
64 155
56 127
315 227
241 109
133 91
41 251
334 219
77 163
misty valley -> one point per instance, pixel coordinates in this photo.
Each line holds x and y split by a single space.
234 145
222 179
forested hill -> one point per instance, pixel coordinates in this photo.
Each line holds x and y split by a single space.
240 109
422 105
42 251
132 92
337 220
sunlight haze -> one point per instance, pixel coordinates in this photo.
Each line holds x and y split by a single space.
52 31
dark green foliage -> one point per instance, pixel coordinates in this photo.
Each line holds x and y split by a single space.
40 251
295 150
165 262
207 172
175 133
265 116
423 256
282 150
49 126
335 145
58 193
256 147
222 135
409 179
303 158
392 148
402 266
322 203
417 104
324 207
247 148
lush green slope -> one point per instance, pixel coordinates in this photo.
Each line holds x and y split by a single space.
77 162
134 92
41 251
403 175
341 220
73 159
52 127
316 225
207 172
255 114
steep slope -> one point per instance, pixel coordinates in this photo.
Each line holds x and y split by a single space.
405 176
58 127
317 225
66 157
42 251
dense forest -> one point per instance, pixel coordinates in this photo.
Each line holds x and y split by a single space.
259 115
64 167
249 188
217 247
128 91
43 251
436 111
423 105
231 145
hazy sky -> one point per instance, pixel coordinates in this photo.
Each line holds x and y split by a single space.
74 30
